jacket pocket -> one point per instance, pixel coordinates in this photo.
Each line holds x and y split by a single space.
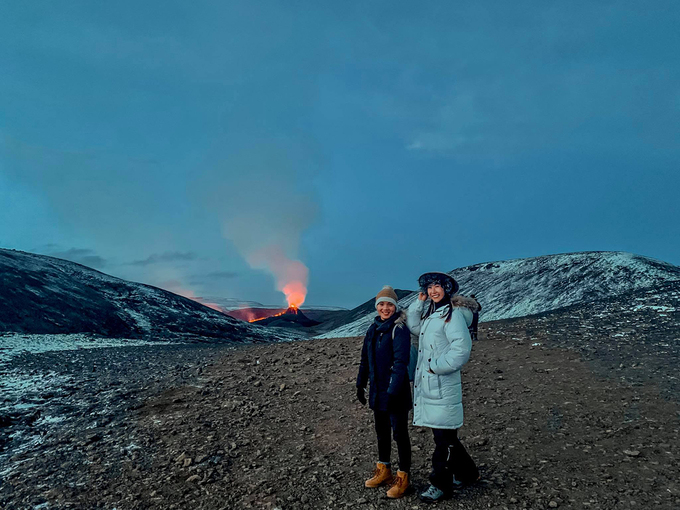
434 389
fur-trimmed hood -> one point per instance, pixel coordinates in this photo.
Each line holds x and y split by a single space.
401 319
465 302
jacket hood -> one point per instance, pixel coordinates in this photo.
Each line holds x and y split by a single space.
465 302
466 305
402 317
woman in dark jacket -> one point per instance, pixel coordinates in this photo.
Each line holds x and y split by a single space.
384 362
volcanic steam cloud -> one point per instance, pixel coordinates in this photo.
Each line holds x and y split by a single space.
291 276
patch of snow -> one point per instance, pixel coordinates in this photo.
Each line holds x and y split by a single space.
15 384
655 308
50 420
15 344
142 320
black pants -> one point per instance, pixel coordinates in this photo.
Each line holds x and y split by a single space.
450 459
385 423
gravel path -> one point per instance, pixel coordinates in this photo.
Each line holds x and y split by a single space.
549 419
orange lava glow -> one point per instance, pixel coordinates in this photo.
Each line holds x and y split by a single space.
295 292
291 308
291 275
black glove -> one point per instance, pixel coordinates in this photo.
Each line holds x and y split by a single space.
392 401
361 397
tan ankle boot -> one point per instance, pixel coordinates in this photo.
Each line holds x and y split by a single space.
399 485
382 475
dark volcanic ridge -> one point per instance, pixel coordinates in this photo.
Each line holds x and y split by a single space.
292 317
46 295
318 314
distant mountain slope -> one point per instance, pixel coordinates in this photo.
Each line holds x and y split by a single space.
520 287
359 312
44 295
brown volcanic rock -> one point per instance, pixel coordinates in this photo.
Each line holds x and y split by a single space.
277 425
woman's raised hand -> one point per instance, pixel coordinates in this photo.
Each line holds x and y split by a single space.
422 296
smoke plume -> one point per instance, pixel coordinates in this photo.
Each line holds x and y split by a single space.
265 205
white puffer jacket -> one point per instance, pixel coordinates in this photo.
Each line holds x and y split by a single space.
443 348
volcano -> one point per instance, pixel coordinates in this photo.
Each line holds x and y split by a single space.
291 317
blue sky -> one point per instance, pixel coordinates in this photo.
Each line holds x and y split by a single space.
168 142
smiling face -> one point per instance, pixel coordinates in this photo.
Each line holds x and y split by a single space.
386 310
435 292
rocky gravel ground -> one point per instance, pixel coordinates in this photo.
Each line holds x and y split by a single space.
635 337
551 425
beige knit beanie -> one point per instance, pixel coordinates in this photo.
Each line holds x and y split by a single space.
386 294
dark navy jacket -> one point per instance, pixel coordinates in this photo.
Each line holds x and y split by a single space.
384 362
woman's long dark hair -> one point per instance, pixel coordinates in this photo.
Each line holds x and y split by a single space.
431 308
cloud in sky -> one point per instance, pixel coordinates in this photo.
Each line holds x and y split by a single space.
200 280
82 256
160 258
222 274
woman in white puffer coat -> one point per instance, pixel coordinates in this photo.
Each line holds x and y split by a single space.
444 346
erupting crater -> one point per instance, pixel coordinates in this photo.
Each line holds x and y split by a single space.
290 317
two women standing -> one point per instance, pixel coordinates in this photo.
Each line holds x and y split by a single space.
444 346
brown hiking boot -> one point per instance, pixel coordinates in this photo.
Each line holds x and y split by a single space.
399 485
381 475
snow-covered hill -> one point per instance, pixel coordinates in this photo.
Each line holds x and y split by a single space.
46 295
520 287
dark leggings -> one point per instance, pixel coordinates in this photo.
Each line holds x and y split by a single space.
385 423
450 459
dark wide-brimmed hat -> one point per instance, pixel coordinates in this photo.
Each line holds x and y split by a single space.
447 282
